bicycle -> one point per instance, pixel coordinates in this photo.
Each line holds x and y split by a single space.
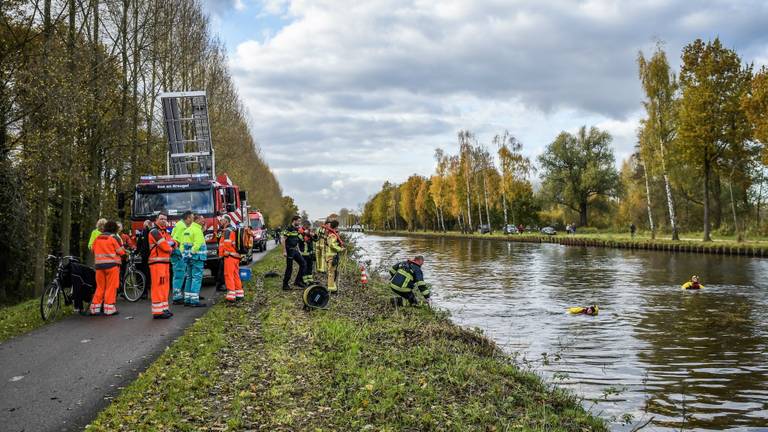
133 280
50 301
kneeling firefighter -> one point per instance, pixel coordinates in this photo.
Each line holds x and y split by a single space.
405 278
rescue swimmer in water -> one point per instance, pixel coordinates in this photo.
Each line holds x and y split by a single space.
585 310
693 284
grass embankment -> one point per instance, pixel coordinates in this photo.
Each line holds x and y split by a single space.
23 317
360 365
723 246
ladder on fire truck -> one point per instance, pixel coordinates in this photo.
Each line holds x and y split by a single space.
190 150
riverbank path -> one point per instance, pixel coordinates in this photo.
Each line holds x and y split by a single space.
58 377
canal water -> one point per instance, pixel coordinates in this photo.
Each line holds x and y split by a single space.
689 360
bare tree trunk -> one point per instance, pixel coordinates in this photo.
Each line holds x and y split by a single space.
667 186
717 203
442 219
469 208
759 197
66 194
135 82
40 214
649 206
487 213
739 236
707 174
95 147
504 204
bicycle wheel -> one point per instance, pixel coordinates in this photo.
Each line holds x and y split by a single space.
133 287
50 302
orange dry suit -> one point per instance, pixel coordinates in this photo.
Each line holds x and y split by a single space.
160 248
107 252
228 250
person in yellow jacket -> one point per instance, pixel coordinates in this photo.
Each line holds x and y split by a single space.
334 245
178 265
693 284
96 232
194 255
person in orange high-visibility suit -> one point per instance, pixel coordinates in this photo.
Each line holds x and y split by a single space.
160 248
107 252
228 252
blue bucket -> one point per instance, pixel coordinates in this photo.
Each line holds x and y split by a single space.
245 274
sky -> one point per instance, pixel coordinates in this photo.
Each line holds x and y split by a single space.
345 95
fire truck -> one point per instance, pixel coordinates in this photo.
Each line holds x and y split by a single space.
258 230
191 182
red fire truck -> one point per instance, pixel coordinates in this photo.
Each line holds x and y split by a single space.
258 230
191 182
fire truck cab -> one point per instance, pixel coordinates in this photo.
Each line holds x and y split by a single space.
175 194
258 230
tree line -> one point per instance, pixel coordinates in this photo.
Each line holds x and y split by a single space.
80 120
699 163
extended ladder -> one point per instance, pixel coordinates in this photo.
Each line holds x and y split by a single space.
190 150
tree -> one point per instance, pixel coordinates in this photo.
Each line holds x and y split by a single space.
515 169
643 154
755 104
576 168
439 188
661 105
713 83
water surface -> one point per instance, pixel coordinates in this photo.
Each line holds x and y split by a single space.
690 360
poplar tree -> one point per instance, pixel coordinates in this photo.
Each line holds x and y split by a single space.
661 106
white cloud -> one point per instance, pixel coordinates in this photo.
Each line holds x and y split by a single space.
239 5
362 92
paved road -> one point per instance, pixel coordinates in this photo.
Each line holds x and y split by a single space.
57 378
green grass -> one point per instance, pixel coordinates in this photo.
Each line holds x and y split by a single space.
360 365
23 317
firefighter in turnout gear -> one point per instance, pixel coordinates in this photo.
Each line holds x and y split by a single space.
178 264
194 254
228 252
107 252
320 247
405 278
307 249
333 245
161 246
291 239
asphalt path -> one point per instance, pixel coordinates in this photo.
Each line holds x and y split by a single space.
58 377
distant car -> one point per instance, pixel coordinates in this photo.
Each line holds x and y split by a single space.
510 229
484 229
548 231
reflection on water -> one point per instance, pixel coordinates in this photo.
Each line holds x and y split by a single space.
690 360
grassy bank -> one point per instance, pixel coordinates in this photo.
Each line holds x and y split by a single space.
754 248
23 317
361 365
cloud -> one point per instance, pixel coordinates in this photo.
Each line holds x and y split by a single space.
373 87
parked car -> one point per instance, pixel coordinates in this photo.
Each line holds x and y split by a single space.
484 229
548 231
510 229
